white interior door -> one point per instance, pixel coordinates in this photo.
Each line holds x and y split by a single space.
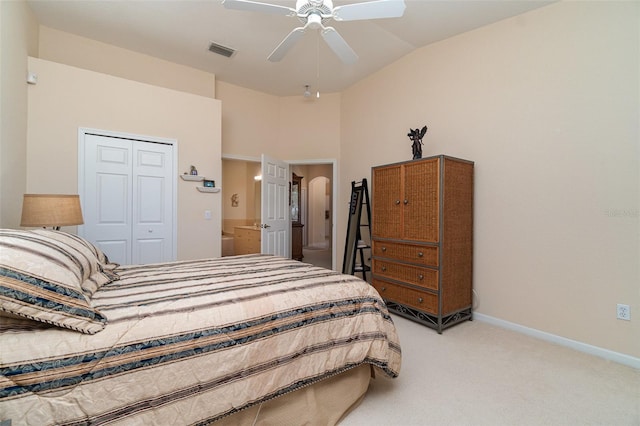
127 194
152 203
276 221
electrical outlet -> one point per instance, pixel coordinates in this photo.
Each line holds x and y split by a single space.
623 312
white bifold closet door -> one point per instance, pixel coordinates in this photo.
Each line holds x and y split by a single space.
128 198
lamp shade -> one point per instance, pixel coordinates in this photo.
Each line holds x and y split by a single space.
51 210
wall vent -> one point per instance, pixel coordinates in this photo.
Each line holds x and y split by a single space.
221 50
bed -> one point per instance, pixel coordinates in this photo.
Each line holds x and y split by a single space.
252 339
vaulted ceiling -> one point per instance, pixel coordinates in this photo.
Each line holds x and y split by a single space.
181 31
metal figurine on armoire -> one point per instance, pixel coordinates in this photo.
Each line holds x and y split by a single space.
416 136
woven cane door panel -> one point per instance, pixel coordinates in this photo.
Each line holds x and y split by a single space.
387 207
421 194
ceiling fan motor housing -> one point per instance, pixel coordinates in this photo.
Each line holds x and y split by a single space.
308 8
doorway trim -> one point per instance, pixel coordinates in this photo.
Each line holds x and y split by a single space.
83 131
334 197
334 189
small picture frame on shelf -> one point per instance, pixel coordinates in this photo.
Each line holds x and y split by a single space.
209 183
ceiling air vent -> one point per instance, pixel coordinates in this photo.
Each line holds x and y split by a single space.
221 50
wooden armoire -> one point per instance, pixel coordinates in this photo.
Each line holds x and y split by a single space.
422 239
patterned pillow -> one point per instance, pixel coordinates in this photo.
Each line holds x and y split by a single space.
97 266
41 279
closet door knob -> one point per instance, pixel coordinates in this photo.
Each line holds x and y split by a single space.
397 202
406 202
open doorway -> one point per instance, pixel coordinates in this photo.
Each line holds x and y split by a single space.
319 208
316 210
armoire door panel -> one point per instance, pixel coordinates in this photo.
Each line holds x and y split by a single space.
421 194
387 191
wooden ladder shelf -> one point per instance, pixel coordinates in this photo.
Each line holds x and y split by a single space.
358 232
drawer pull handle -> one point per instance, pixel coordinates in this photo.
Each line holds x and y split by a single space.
384 249
420 277
406 202
420 300
383 289
397 202
384 268
420 254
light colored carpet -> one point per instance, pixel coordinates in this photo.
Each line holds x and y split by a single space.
479 374
318 257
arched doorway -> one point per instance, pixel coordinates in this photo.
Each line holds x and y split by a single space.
319 226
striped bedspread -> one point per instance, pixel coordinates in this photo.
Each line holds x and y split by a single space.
190 342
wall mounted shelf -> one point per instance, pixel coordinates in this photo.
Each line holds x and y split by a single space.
207 189
196 178
192 178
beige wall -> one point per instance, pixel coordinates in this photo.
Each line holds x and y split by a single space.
67 98
546 104
18 39
310 129
81 52
288 128
249 121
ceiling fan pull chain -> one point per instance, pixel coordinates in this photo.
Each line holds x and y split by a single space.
318 64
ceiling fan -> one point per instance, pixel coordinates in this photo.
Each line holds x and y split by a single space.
314 13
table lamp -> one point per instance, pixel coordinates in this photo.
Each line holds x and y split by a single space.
53 210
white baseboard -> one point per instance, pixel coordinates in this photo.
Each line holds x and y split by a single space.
573 344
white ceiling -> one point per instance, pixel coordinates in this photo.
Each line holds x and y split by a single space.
180 31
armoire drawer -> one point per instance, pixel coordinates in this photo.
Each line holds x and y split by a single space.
421 255
416 275
417 299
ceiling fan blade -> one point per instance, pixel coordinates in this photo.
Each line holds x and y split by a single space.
370 10
286 44
255 6
338 45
